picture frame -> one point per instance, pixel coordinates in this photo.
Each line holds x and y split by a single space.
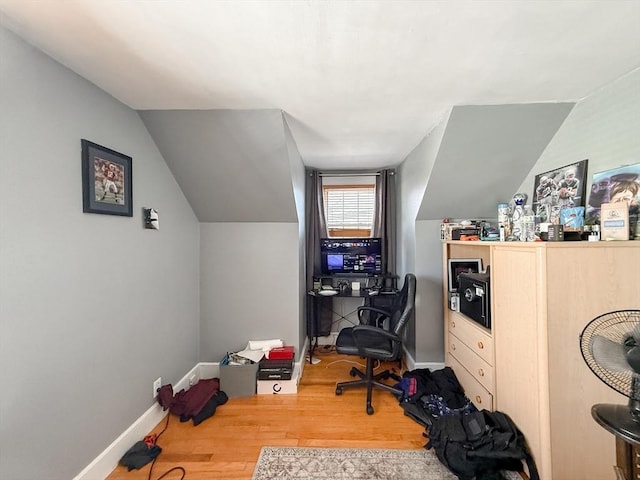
557 189
456 266
617 184
107 185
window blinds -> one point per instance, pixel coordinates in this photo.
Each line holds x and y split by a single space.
349 207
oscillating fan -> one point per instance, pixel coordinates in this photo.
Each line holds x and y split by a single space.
610 345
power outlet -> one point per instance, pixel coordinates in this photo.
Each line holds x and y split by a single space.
156 386
192 380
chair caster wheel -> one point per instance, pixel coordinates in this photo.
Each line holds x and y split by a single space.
385 376
369 410
338 390
353 372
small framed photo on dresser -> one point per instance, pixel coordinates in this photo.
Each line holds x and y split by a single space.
456 266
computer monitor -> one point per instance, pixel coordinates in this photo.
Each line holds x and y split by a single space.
351 256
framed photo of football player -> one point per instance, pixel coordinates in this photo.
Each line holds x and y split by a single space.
106 181
557 189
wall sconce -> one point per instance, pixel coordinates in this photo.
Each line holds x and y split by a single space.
150 218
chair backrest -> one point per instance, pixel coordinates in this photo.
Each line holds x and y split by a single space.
406 302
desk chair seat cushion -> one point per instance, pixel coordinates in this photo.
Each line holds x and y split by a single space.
358 341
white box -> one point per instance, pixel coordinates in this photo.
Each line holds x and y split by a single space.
614 221
279 387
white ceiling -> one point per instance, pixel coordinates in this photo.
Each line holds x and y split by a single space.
360 82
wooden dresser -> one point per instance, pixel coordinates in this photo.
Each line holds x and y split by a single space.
470 354
529 364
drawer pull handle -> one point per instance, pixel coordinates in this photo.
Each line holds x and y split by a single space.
481 372
478 399
453 346
453 324
480 345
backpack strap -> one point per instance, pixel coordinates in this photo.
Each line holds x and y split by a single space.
505 423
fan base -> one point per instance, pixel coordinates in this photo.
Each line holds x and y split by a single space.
617 419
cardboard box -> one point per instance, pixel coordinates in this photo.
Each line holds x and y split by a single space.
279 387
238 380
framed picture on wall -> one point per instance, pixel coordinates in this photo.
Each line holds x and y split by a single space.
456 266
557 189
106 181
621 184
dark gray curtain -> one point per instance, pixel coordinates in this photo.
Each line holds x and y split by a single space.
384 223
319 312
316 223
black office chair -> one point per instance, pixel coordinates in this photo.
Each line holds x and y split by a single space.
377 338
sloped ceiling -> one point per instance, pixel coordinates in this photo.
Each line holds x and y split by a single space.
360 83
485 153
233 166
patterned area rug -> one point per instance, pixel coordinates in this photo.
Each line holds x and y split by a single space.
297 463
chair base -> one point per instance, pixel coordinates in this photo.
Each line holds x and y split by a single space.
369 380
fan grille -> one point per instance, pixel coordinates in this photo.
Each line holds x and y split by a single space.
605 343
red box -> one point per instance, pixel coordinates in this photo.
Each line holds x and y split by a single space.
281 353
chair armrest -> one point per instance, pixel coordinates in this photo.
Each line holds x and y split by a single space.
359 330
363 332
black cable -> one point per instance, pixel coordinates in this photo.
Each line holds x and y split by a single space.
184 472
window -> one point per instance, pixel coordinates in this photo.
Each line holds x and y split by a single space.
349 207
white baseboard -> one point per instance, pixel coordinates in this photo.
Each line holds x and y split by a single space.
413 365
103 464
430 365
410 362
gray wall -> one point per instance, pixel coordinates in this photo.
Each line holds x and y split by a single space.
298 184
93 308
252 278
424 337
249 285
603 128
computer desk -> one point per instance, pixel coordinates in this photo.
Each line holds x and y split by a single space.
324 303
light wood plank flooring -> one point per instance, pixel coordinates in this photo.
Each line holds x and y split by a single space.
227 445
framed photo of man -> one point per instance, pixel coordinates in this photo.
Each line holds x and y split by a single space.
620 184
106 181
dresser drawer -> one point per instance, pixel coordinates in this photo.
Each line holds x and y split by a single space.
481 370
474 336
474 390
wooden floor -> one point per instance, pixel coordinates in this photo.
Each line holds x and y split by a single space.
227 445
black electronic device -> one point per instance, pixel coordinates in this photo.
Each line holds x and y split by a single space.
275 369
351 256
475 298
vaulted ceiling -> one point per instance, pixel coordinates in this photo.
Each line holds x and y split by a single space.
359 83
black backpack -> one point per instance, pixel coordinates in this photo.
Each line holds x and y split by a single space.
479 445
